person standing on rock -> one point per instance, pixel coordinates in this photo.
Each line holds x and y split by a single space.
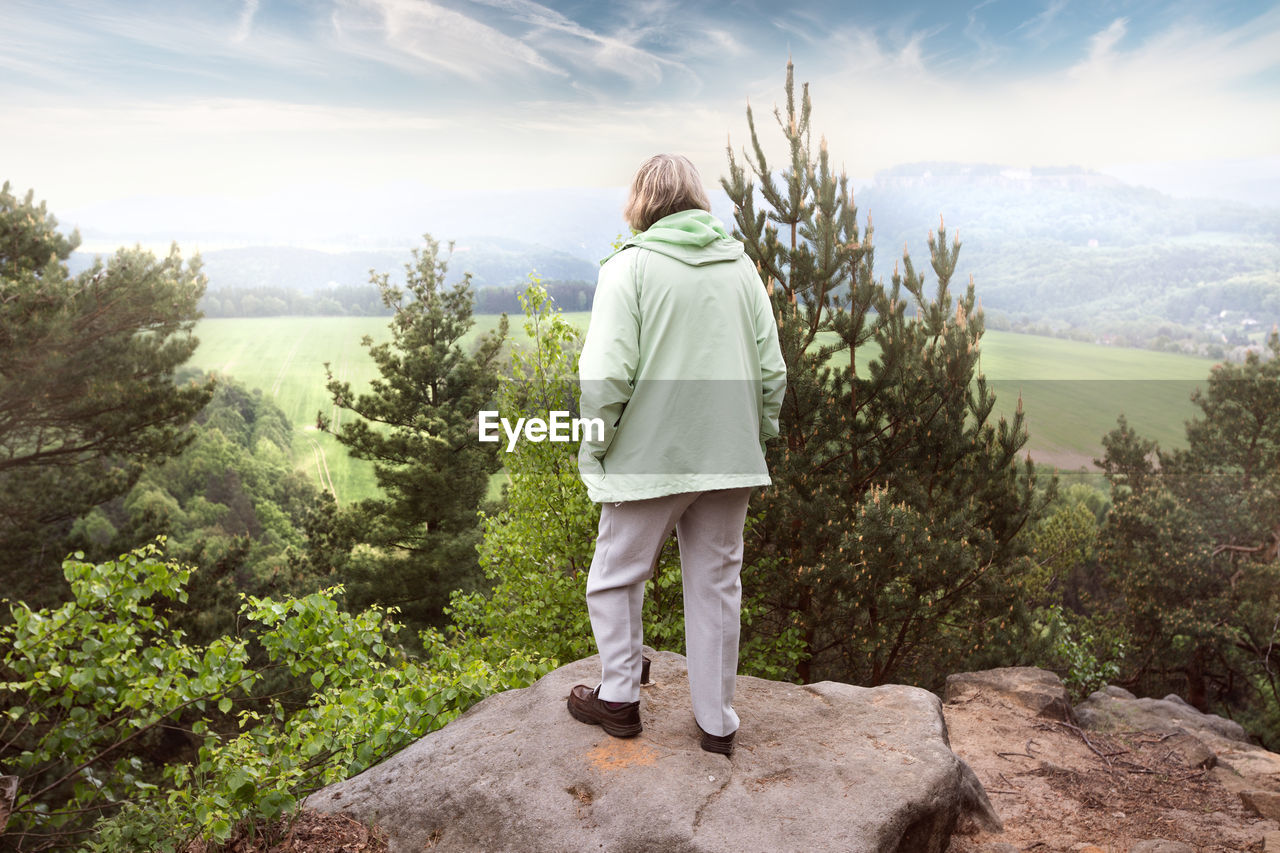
681 364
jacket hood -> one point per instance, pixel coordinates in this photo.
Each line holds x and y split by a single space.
694 237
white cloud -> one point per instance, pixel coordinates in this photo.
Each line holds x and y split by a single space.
1186 92
247 148
722 41
75 154
245 25
1039 26
1183 93
89 49
429 34
590 51
1102 45
988 51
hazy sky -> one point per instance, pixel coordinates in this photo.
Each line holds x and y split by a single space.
280 102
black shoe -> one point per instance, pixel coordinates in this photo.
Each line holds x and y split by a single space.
644 670
722 744
586 706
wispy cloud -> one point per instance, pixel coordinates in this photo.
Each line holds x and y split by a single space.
807 32
1102 44
619 51
1176 92
723 41
1182 59
246 94
245 25
432 35
1038 27
988 51
862 50
94 51
497 41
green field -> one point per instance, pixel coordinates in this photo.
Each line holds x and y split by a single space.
1072 392
284 357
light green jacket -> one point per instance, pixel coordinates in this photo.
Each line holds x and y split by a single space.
681 364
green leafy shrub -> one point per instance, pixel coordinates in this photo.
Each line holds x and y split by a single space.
231 505
111 717
1082 651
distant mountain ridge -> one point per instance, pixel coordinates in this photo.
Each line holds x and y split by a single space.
1057 250
1081 254
992 175
1061 204
492 262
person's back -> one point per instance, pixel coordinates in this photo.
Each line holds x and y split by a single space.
700 298
682 317
682 366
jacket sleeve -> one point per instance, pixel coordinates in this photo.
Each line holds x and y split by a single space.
610 355
773 370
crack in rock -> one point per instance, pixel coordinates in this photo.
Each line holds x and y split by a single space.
714 795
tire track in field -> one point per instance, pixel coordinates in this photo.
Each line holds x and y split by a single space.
335 418
233 360
322 468
284 368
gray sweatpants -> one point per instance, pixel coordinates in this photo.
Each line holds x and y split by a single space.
709 531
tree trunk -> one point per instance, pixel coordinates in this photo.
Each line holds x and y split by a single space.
1197 692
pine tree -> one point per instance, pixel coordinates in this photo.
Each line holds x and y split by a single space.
536 551
1192 545
417 424
890 536
88 395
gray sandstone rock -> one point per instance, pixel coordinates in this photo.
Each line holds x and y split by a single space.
1039 690
1194 752
8 793
1106 712
1239 765
821 767
1262 803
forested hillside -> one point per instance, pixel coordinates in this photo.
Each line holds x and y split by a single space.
354 300
1075 253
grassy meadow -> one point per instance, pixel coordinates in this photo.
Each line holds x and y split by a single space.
285 358
1071 391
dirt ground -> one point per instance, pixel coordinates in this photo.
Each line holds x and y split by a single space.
308 832
1057 791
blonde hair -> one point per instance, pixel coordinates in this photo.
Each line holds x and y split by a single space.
664 184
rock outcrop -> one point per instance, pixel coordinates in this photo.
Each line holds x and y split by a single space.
1203 740
1145 778
1114 708
1037 690
818 767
